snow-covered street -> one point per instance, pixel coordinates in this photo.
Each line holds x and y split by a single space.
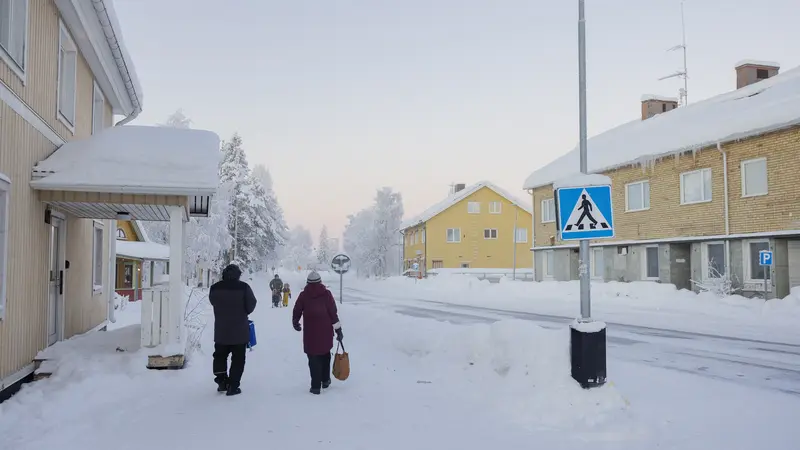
424 375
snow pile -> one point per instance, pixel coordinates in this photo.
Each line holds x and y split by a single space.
143 250
637 303
752 110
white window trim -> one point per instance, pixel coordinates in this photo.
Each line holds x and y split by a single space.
748 268
490 234
516 236
644 263
97 93
5 191
20 72
641 187
744 179
423 236
704 258
458 235
97 225
61 118
593 259
499 207
552 274
469 207
548 213
702 180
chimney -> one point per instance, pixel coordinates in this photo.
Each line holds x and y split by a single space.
656 104
459 187
750 71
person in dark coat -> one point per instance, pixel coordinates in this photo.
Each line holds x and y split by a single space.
233 300
276 284
316 306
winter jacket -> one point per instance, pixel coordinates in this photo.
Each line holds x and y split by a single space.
276 284
233 300
317 308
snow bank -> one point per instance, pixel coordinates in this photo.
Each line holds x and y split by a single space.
638 303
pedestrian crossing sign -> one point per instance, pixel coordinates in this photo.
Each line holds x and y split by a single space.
585 213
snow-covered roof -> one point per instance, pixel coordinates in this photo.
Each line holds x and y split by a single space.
755 62
143 250
759 108
452 199
139 228
582 180
660 98
134 160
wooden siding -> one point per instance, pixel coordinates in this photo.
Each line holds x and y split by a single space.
40 90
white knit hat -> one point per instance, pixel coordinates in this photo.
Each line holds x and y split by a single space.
313 277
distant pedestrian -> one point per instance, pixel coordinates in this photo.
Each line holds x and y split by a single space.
233 300
287 294
316 306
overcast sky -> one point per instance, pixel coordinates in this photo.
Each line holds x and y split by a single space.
340 97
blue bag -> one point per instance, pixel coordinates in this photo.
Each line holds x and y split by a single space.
252 343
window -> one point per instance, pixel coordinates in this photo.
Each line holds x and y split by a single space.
121 234
696 186
762 74
755 272
465 265
67 77
663 107
453 235
97 257
423 236
714 260
548 210
474 207
490 233
5 194
637 196
415 238
754 177
549 263
14 34
597 263
521 235
98 110
495 207
437 264
650 261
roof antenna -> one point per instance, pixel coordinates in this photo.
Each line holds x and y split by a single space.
684 91
452 188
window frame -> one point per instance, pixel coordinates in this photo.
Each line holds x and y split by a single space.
64 31
549 272
645 277
704 262
517 234
464 265
97 226
423 235
703 190
593 259
455 235
549 201
641 188
490 230
20 70
477 209
97 94
5 208
744 177
748 266
499 207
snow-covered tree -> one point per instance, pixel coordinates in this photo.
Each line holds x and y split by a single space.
244 218
324 251
177 120
371 236
298 251
276 232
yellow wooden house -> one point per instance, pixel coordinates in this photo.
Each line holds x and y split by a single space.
137 255
480 226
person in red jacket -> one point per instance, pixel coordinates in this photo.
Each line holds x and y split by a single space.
316 306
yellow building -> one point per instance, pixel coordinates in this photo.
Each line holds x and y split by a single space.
474 227
136 257
698 191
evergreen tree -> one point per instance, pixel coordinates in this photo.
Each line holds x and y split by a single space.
324 252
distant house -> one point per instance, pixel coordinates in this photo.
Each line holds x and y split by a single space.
698 190
136 257
475 226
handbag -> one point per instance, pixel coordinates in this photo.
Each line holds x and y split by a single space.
252 341
341 363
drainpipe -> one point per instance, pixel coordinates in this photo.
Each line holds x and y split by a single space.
533 233
107 24
425 248
402 271
111 236
727 212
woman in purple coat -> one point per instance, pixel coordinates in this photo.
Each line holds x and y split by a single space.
316 306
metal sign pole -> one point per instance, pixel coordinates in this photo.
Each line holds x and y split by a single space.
341 287
584 264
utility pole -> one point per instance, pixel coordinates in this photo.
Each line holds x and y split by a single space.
585 269
684 92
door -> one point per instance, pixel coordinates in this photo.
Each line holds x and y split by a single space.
794 264
56 289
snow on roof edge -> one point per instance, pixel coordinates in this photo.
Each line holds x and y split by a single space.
755 62
141 230
143 250
660 98
582 180
126 56
452 199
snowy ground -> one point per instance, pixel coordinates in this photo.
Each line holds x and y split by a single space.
423 376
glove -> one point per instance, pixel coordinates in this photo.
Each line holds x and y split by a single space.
339 335
297 327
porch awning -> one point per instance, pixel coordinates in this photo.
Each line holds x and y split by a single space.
150 251
138 170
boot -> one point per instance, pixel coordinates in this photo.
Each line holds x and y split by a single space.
222 383
233 391
315 391
326 384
